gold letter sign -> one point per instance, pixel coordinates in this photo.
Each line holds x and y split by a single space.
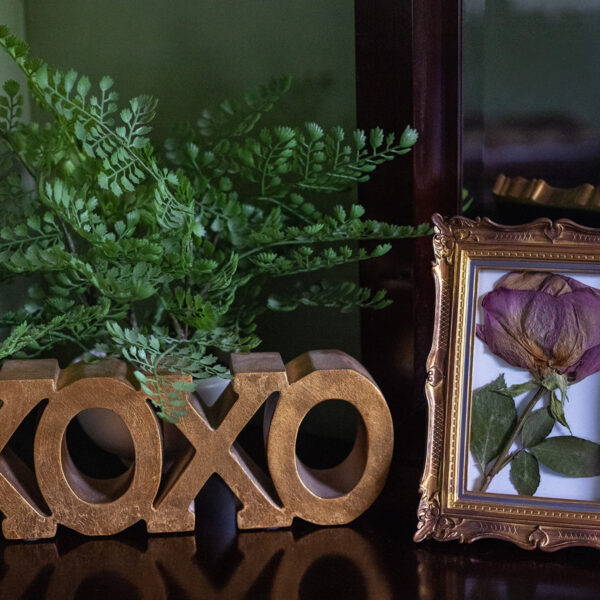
58 493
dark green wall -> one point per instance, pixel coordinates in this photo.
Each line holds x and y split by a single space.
189 54
12 13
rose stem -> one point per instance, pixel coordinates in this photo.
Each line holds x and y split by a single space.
500 461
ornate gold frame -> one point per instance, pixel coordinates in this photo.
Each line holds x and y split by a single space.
445 512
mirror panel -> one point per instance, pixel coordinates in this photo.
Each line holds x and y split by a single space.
530 98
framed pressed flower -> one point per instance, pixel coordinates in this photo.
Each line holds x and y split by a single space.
514 385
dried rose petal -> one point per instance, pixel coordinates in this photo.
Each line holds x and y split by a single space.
543 322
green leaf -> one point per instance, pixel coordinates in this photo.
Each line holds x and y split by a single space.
557 410
409 137
493 417
525 473
146 389
183 386
83 86
569 455
315 132
498 385
199 230
103 181
537 427
555 381
140 142
69 80
11 87
521 388
41 76
141 377
376 138
115 188
360 139
106 83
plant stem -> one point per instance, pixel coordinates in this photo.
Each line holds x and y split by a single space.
133 318
178 328
69 239
502 459
23 162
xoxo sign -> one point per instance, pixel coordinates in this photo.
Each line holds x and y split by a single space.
34 504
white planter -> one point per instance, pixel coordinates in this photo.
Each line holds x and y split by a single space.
109 432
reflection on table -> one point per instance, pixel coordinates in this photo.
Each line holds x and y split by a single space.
372 559
270 564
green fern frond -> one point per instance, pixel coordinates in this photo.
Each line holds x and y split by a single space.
11 106
305 259
75 326
343 296
156 357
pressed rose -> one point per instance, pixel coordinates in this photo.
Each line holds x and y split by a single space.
543 322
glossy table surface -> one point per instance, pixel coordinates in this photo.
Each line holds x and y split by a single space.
372 558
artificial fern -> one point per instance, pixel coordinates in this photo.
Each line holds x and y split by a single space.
166 256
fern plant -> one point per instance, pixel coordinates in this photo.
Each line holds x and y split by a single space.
166 255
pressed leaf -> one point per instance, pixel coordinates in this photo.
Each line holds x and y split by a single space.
493 416
555 381
569 455
557 410
537 427
525 473
521 388
498 385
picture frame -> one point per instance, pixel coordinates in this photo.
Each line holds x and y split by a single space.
513 385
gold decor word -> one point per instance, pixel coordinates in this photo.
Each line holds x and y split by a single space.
58 493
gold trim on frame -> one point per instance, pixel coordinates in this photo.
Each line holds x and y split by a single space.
444 513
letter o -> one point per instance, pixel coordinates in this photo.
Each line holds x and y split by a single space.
338 495
89 506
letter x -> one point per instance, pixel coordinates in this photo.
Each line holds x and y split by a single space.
257 376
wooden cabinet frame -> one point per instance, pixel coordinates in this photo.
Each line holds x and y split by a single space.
408 70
